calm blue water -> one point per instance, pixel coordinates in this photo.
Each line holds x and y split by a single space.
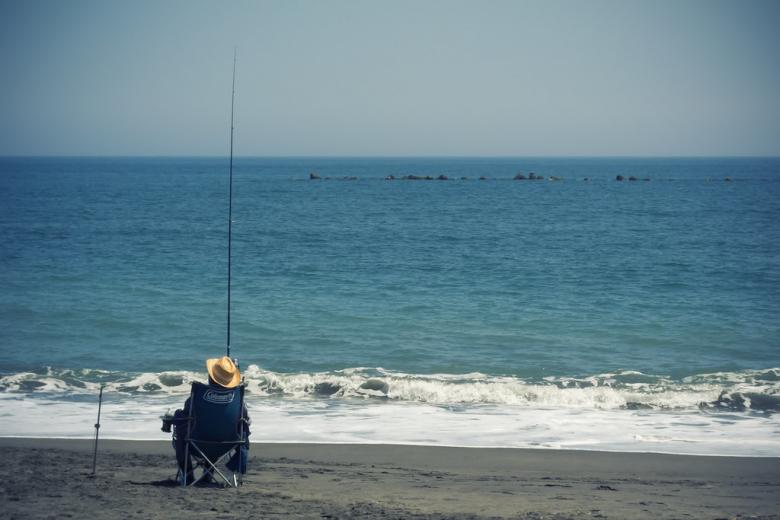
120 264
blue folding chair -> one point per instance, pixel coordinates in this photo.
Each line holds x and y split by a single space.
215 431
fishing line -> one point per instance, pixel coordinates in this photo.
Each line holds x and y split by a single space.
230 205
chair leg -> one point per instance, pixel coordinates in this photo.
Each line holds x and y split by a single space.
187 462
211 466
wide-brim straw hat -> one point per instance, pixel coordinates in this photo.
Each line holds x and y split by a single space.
223 372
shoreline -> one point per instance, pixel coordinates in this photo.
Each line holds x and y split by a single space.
113 439
377 422
386 481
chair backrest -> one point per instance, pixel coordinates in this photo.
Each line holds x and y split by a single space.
215 413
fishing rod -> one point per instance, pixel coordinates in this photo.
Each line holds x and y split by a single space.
230 205
97 429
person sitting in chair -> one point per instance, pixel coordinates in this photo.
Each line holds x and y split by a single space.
223 375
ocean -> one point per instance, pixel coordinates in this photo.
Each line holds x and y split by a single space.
576 311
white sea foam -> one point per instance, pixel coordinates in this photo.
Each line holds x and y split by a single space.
87 382
723 413
756 390
369 422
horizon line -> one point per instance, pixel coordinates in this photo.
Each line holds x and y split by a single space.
379 156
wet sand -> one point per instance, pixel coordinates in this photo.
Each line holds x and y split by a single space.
50 478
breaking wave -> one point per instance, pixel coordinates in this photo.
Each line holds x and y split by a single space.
754 390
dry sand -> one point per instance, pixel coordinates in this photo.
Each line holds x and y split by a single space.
50 478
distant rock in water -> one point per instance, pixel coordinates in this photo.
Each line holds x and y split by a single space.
727 179
375 385
171 380
586 179
326 388
632 178
390 178
637 406
741 401
555 178
619 178
533 177
314 177
519 177
442 178
464 178
483 178
733 401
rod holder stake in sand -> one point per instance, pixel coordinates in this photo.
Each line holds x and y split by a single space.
97 429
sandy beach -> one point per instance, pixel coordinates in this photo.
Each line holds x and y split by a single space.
50 478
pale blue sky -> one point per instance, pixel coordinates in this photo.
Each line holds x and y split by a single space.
391 78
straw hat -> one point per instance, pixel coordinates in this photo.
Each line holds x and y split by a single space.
223 372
